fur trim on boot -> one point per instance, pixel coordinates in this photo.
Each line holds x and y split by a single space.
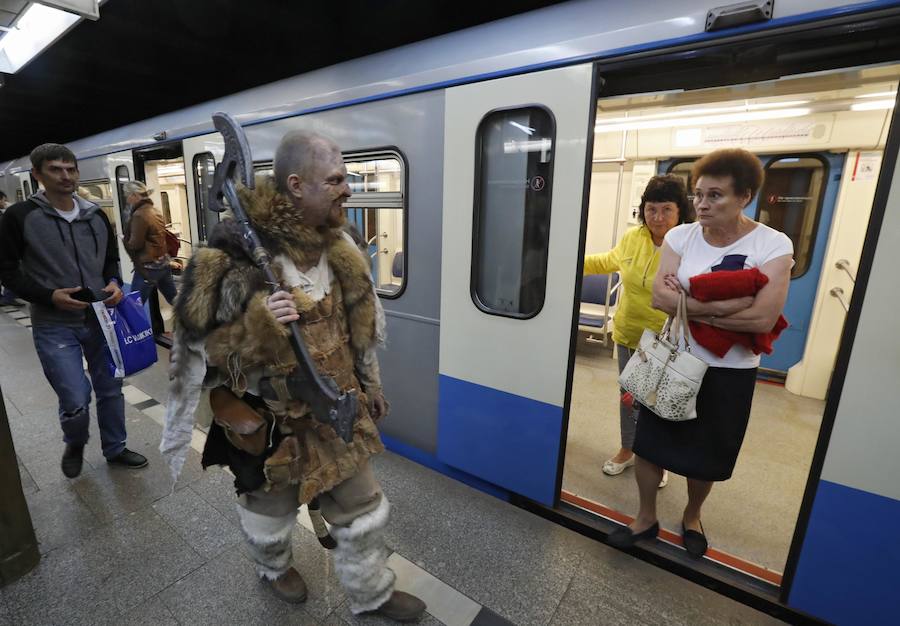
360 560
269 541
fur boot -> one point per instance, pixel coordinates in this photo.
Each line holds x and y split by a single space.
360 560
269 541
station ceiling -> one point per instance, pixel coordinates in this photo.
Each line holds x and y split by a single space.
144 58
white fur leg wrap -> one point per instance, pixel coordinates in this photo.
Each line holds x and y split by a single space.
360 560
269 541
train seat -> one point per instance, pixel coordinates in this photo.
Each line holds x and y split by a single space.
599 294
397 265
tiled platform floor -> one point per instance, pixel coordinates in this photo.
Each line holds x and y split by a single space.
123 547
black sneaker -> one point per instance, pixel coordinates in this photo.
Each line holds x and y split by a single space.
72 459
129 459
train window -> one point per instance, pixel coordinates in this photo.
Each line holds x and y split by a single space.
682 169
377 212
100 193
791 200
122 177
166 206
204 172
514 165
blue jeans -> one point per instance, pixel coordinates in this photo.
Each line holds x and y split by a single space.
161 279
59 349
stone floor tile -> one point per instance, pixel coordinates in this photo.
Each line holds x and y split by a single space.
315 565
206 530
227 591
146 556
485 549
112 491
216 487
348 617
47 473
67 587
5 615
11 410
60 517
152 612
28 484
610 587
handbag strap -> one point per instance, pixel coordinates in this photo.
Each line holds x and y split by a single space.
685 328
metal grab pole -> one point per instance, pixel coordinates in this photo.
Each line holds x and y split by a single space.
18 545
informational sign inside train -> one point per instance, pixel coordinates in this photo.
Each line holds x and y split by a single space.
641 174
755 134
866 166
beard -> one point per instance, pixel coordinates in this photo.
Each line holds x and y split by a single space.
336 218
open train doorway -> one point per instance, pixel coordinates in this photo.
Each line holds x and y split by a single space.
820 139
162 169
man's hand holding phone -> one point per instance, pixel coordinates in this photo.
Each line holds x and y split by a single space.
72 298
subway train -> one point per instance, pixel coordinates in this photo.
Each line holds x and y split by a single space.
486 163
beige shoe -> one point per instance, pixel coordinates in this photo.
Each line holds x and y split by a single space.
611 468
401 607
289 587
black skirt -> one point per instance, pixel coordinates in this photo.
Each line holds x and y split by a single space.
705 448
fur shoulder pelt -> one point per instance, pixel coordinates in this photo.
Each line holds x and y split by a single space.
221 280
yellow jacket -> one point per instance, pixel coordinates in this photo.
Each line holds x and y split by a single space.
636 259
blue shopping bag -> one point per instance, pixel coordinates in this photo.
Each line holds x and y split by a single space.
129 337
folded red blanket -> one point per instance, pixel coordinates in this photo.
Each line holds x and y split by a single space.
722 286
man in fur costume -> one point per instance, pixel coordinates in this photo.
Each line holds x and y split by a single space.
281 457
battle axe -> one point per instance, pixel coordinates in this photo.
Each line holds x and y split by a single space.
329 405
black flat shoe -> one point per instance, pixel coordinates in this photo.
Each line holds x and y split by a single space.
72 458
694 541
129 459
625 537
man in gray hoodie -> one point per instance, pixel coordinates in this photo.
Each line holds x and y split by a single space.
58 252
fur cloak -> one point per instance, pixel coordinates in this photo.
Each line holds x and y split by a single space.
222 305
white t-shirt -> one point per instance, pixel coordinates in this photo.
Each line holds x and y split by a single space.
71 215
756 248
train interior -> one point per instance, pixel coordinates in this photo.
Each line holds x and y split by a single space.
820 138
166 177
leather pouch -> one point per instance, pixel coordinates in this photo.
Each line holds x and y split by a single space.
283 467
244 428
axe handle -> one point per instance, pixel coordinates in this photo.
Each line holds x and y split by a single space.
263 261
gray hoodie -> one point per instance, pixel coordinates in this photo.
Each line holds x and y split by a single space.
40 252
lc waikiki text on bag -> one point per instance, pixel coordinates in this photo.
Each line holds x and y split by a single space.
662 376
129 337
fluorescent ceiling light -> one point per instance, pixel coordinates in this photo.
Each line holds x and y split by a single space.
748 116
879 94
873 105
38 27
708 111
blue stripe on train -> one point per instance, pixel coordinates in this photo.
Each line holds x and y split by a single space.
847 572
505 439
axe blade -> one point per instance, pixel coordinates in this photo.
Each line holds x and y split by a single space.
237 162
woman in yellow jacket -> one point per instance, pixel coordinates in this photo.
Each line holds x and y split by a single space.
664 205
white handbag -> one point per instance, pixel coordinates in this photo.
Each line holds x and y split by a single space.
662 376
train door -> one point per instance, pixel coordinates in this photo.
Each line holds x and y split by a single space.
200 157
162 169
515 151
798 198
120 170
25 185
821 162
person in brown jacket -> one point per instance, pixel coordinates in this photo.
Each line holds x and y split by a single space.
146 243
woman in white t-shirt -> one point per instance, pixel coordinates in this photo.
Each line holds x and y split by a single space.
705 449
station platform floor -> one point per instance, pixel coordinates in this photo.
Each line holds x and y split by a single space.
125 547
